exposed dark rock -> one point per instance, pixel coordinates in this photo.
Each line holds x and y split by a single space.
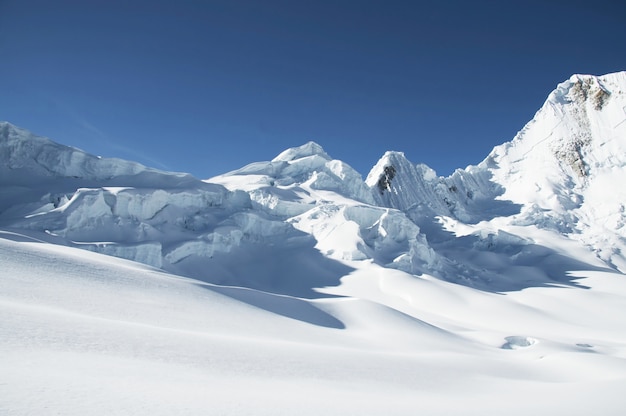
384 182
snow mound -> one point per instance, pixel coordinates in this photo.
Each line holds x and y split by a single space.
517 342
293 177
362 232
306 150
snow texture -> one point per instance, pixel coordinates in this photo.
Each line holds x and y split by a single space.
293 285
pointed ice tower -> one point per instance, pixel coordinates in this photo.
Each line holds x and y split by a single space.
397 183
417 190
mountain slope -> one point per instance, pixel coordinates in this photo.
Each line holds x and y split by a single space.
566 165
560 172
303 207
292 285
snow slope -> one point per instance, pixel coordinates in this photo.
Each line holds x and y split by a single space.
82 333
293 285
567 164
558 173
562 172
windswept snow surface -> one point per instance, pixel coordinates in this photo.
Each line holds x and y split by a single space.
293 285
82 333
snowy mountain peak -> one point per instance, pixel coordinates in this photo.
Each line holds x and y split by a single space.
579 130
308 149
590 91
392 164
558 174
563 167
302 280
306 167
4 129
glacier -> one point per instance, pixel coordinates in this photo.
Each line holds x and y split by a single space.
522 254
556 174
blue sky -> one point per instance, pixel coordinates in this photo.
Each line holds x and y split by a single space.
208 86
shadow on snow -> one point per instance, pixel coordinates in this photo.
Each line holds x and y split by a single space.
504 262
288 306
278 275
285 265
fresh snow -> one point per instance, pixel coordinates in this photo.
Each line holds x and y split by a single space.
293 285
87 334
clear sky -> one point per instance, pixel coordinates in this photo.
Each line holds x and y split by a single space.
208 86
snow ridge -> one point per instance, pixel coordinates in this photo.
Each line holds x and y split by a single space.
293 283
557 174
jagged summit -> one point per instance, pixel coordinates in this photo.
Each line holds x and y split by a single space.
393 163
565 164
580 87
308 149
558 174
417 190
297 280
577 134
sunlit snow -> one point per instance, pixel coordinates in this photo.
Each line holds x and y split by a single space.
295 286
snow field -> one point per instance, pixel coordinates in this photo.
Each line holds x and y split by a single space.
293 286
86 334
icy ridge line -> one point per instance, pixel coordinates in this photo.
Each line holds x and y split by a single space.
557 174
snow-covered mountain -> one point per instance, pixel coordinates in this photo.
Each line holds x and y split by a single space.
297 248
277 215
559 173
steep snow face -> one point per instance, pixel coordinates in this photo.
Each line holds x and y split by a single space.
566 165
417 190
304 220
561 172
577 135
398 183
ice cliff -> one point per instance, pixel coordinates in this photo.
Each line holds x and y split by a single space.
304 218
